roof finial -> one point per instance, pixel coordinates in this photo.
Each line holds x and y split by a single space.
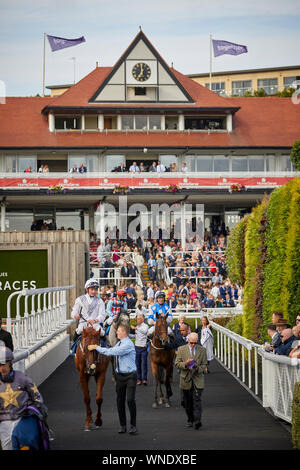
140 28
172 65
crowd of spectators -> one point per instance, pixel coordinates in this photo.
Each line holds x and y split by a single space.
154 167
192 279
285 338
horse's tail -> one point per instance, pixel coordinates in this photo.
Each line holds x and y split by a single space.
161 374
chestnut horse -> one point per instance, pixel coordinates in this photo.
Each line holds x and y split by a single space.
161 361
91 363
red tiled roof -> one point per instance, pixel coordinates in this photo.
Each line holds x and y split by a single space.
80 93
260 122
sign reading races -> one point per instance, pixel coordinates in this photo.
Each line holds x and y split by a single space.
140 182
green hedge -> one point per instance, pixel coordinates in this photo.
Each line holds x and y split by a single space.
235 252
253 272
290 289
276 239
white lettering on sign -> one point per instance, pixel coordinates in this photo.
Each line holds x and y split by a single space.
17 285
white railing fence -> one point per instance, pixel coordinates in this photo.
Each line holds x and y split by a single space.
44 313
269 377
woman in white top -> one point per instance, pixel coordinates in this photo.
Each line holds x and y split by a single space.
207 339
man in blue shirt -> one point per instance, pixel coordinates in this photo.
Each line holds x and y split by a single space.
126 376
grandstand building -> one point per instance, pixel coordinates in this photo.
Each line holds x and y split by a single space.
226 152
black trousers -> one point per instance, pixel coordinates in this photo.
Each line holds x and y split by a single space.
126 386
193 404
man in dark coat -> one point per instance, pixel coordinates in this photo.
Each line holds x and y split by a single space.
5 336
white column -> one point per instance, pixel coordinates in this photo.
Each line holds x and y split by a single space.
163 122
119 122
182 225
83 122
102 225
100 122
51 122
3 217
229 122
181 122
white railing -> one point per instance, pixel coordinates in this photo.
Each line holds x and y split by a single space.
269 377
196 314
113 275
46 314
150 175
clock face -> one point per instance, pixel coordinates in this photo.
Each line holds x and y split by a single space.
141 72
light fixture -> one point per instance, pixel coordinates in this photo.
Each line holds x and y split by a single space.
145 150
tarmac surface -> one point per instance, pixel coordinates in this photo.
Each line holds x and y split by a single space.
232 419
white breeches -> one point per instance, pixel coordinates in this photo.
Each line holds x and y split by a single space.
83 325
6 430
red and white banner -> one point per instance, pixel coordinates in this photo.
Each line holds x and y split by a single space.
139 182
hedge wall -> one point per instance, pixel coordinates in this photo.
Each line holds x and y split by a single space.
290 291
235 252
254 260
267 243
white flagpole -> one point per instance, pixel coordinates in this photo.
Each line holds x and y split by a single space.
44 66
210 60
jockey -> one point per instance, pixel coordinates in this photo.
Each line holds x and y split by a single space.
17 392
115 305
160 308
89 309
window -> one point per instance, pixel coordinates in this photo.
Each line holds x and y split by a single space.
11 164
204 123
26 164
285 163
201 163
256 163
88 161
239 164
127 122
140 91
166 160
171 122
240 87
66 123
270 85
270 163
288 82
141 122
113 161
218 88
154 122
221 163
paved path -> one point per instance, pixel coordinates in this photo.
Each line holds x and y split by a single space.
232 418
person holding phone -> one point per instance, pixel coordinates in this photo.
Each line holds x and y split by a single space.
191 360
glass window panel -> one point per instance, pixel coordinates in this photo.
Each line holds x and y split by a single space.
270 163
92 163
25 163
167 160
11 164
288 82
76 160
19 221
191 163
221 163
285 163
241 86
141 122
154 122
239 163
127 122
63 122
270 85
204 163
113 161
256 163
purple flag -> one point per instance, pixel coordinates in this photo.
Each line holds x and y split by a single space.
57 43
225 47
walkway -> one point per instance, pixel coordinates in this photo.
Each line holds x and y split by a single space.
232 418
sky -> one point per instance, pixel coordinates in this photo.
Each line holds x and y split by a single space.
179 30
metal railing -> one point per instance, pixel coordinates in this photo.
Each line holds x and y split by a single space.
46 315
113 275
267 376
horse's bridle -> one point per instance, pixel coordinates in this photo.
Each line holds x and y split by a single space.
85 353
157 336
